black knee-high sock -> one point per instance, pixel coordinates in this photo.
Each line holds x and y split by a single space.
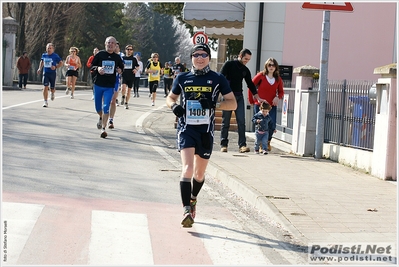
185 191
197 187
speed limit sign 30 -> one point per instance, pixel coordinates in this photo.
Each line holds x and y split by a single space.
200 37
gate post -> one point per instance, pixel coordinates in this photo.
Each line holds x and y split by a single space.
10 27
305 112
385 150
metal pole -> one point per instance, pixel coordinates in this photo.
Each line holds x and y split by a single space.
321 108
259 45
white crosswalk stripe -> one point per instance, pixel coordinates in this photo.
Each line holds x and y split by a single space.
118 238
226 241
18 222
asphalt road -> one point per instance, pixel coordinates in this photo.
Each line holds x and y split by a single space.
58 174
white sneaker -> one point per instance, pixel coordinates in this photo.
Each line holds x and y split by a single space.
67 91
126 106
72 97
152 103
52 96
99 124
45 105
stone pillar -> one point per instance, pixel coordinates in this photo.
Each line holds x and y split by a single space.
305 112
385 152
10 27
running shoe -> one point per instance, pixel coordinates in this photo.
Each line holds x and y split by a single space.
111 124
117 103
52 96
99 124
103 133
223 149
45 105
152 103
67 91
126 106
123 100
193 203
188 220
265 152
72 97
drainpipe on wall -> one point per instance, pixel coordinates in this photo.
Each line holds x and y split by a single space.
259 45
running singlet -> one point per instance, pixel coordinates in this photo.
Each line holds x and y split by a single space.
73 63
167 72
157 75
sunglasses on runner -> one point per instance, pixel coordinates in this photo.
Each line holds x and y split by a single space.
200 55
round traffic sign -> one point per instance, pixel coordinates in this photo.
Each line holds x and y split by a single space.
200 37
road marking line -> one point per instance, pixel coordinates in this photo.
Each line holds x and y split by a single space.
166 156
18 222
222 244
35 101
119 238
139 121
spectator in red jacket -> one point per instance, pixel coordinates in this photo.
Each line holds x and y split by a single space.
270 88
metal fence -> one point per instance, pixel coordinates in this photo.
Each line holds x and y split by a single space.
349 118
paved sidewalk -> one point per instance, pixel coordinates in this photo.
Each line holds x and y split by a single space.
315 200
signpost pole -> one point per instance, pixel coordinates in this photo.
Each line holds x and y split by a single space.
321 108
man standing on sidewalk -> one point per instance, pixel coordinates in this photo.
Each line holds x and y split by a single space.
235 71
50 61
23 66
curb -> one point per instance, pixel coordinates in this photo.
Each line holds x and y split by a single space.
254 198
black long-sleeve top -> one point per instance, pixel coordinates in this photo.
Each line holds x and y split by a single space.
110 62
235 71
